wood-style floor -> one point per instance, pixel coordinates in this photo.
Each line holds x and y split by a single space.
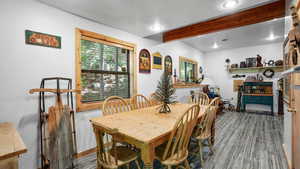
243 141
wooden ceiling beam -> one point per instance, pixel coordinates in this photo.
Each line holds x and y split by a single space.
247 17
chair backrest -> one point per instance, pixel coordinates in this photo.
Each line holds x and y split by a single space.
215 102
207 119
115 104
200 98
153 100
139 101
106 147
177 146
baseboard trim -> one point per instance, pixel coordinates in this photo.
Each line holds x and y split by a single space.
85 153
289 162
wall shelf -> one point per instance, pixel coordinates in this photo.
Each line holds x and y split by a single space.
187 85
255 69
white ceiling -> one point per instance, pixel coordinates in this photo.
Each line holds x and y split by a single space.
136 16
251 35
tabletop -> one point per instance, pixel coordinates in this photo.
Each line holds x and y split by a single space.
144 124
11 143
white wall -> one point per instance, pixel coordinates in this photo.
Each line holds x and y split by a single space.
23 66
287 139
216 70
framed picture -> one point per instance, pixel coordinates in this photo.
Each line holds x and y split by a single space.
168 65
144 61
157 61
42 39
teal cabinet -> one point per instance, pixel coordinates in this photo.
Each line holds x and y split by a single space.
258 93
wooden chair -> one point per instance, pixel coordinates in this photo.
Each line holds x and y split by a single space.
216 101
203 129
109 155
175 152
199 98
115 104
139 101
153 100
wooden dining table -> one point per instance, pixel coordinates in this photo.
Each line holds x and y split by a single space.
144 128
11 146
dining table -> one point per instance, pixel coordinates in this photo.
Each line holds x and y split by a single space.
11 146
144 128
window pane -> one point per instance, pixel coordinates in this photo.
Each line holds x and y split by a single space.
109 58
190 72
123 60
182 71
123 86
97 85
91 84
109 88
90 55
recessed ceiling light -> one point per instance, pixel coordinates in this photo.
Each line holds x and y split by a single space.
230 4
215 45
156 27
285 35
271 37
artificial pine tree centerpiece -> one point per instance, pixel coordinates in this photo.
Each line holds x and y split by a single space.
165 92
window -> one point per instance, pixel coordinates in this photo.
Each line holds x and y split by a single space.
103 69
188 69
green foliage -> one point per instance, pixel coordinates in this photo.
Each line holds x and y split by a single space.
96 58
165 92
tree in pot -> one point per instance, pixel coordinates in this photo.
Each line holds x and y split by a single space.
165 92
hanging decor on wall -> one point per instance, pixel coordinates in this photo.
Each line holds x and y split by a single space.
168 65
57 125
144 61
42 39
157 61
269 73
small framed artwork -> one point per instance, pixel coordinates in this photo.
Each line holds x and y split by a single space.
168 64
42 39
144 61
157 61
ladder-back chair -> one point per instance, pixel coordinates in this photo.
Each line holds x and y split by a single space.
109 155
115 104
215 102
199 98
175 152
139 101
204 128
153 100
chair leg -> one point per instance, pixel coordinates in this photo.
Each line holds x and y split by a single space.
187 165
200 152
137 164
210 146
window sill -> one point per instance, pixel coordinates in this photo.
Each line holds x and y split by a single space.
187 85
82 107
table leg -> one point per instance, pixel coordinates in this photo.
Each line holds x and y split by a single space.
148 156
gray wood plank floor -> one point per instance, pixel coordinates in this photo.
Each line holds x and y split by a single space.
243 141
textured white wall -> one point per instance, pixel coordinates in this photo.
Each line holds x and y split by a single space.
287 139
23 66
215 68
